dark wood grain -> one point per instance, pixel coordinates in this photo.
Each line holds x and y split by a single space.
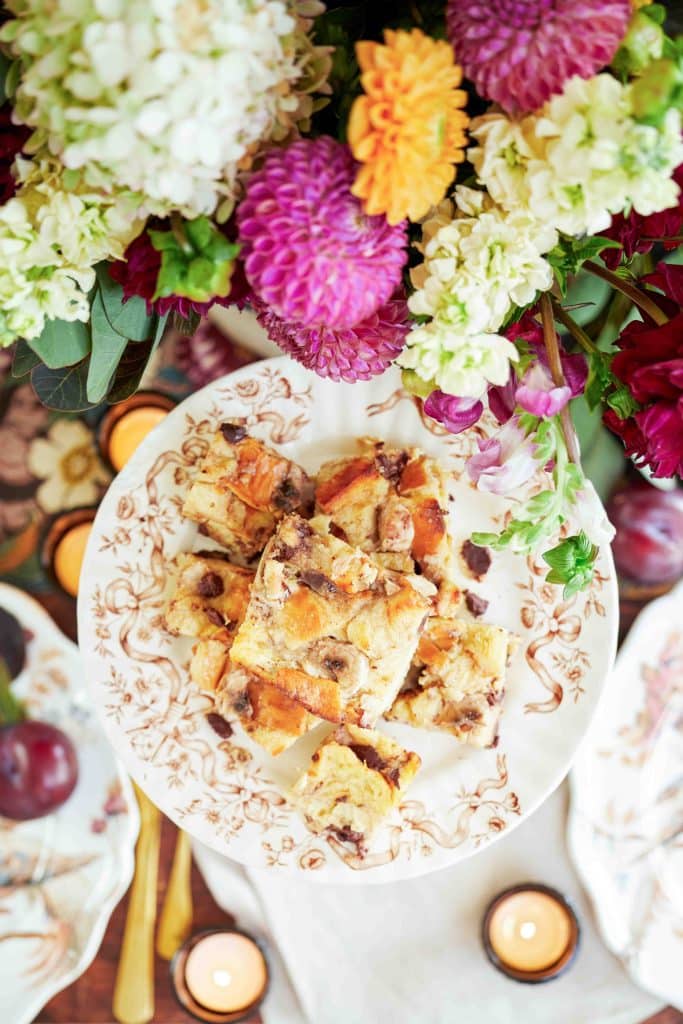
88 1000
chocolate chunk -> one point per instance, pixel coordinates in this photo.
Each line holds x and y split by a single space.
210 585
391 466
203 529
286 496
348 835
375 762
336 531
318 582
233 432
222 556
475 604
214 616
219 725
496 741
477 560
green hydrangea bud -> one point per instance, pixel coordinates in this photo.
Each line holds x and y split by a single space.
658 90
643 43
413 383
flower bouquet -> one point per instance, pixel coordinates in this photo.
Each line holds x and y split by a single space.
428 184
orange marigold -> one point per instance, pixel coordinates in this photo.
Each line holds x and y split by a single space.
408 130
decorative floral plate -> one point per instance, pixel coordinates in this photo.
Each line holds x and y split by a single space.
227 792
626 820
60 876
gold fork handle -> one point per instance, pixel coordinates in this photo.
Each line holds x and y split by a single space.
133 1001
175 923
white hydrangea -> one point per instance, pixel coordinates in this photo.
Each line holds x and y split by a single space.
163 98
458 363
580 159
49 240
477 265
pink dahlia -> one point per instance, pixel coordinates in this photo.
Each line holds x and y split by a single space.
521 52
311 253
344 353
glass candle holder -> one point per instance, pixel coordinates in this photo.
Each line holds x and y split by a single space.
124 426
64 546
220 975
530 933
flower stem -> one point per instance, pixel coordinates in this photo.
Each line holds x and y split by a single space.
553 350
637 297
577 332
671 240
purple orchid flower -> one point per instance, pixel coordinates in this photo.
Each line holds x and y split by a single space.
502 400
538 394
505 462
456 414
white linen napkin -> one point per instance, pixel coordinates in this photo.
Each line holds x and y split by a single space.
410 952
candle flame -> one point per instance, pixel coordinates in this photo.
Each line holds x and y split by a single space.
222 978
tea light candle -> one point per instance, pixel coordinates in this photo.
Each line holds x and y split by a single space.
64 547
530 933
126 425
220 976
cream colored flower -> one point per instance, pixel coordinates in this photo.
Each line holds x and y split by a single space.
163 98
580 159
67 462
460 364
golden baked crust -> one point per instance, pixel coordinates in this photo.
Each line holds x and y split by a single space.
268 715
458 680
328 626
242 489
209 603
355 778
209 594
393 503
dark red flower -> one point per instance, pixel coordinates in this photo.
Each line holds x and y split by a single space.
636 233
12 139
668 278
137 274
650 363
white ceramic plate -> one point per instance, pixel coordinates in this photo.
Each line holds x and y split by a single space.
230 794
626 820
60 876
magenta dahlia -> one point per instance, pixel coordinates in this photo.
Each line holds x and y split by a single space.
521 52
311 253
343 353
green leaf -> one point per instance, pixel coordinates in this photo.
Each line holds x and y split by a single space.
11 79
107 348
11 709
569 254
63 389
572 563
599 378
24 359
129 319
131 367
623 402
485 540
197 260
62 343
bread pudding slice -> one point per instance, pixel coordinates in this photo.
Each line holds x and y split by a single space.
210 594
355 778
458 680
209 603
328 626
393 503
269 716
242 489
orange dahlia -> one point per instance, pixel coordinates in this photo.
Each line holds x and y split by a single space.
408 130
